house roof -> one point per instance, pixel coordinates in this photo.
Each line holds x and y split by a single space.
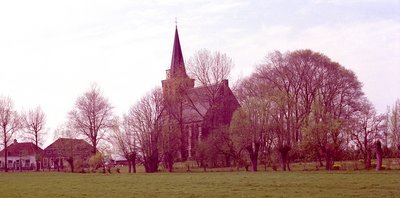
21 149
177 64
117 157
68 146
67 141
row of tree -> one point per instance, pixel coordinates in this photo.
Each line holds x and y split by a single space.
301 106
307 107
296 106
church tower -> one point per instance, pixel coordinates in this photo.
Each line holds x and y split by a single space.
189 115
177 81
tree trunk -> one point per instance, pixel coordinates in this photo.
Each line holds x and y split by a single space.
367 160
129 166
254 164
183 151
94 149
146 166
37 165
253 158
378 155
131 158
228 161
71 163
169 161
329 150
72 166
20 164
319 159
36 152
328 161
283 160
5 159
154 163
253 152
398 155
284 151
170 167
151 163
58 167
133 163
205 168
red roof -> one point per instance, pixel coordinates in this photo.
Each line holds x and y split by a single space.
64 147
21 149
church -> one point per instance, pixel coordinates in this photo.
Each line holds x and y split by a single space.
197 111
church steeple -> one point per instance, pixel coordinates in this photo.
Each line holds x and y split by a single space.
177 81
177 69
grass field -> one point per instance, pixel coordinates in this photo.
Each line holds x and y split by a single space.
209 184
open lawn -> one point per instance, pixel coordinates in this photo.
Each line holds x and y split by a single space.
209 184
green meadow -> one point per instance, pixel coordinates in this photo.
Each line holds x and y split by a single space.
203 184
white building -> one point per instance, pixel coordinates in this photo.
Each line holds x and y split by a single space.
20 156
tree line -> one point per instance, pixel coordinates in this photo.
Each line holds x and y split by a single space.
307 107
296 106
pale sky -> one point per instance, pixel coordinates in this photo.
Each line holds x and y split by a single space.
52 51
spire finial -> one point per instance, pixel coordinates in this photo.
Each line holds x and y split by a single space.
176 22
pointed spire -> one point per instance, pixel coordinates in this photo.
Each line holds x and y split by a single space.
177 64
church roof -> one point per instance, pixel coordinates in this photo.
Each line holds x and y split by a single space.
198 105
200 101
177 63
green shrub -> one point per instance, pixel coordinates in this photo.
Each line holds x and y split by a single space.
96 161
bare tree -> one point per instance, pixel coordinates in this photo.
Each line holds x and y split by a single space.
379 155
125 142
63 131
210 69
92 116
34 122
393 127
308 91
144 118
250 128
10 123
366 129
394 124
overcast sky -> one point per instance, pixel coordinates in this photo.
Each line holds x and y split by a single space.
52 51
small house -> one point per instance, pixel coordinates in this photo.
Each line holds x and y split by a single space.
66 152
21 156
